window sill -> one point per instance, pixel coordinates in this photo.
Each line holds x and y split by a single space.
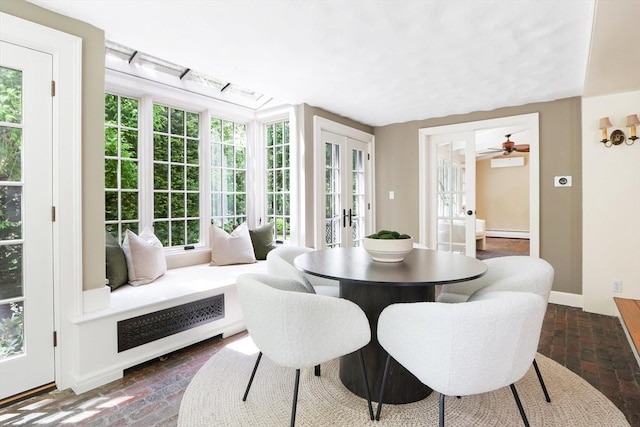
180 258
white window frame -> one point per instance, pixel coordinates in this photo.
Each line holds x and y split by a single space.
296 177
149 92
118 157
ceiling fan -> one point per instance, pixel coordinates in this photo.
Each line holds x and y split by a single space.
509 147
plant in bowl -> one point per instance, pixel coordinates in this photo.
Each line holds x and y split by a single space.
388 246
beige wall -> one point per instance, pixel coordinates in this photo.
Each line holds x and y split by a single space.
560 154
305 116
611 204
396 162
502 195
93 63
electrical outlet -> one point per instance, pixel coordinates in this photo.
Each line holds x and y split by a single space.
616 286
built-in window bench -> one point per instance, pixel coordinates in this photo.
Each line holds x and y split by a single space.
185 306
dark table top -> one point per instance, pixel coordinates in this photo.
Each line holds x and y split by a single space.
420 267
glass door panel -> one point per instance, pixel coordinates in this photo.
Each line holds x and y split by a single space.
26 232
358 210
346 198
11 284
455 227
333 196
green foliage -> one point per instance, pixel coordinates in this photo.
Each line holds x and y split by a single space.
11 171
10 112
10 95
176 170
12 332
121 158
176 175
388 235
282 227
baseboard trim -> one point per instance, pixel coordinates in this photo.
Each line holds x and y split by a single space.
508 234
565 298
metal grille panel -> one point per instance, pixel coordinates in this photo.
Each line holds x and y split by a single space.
150 327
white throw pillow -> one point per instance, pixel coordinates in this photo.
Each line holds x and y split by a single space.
234 248
145 257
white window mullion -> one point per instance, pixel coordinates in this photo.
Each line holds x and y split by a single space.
145 154
205 177
296 182
256 211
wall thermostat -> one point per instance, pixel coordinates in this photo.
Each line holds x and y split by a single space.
562 181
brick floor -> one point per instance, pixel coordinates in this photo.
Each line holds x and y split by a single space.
591 345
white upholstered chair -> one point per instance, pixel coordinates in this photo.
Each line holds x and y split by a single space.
280 263
510 273
299 329
464 349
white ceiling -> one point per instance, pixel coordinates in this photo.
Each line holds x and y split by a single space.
376 62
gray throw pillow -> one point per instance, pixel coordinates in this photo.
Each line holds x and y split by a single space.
116 263
262 240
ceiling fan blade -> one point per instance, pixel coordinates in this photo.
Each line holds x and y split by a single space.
521 148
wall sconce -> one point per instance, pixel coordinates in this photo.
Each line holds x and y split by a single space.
618 136
632 121
604 124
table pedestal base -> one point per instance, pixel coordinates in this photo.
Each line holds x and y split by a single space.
402 386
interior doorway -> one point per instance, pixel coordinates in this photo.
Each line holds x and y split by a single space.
495 130
343 182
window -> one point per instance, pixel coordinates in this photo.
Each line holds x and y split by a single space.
121 165
178 161
278 189
176 176
228 174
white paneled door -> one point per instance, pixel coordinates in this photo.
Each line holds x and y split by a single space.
26 231
346 201
453 161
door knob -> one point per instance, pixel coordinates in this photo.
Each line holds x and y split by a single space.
469 212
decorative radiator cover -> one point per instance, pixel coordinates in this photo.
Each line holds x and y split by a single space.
149 327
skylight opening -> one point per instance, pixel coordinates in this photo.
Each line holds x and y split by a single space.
134 57
205 80
118 51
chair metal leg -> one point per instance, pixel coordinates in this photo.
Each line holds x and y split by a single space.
544 388
520 408
253 374
441 411
316 370
384 382
366 383
295 398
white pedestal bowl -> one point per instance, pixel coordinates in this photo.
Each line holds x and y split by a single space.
388 250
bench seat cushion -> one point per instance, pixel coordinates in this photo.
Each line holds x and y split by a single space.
180 282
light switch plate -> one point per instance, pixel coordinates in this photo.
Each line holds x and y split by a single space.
562 181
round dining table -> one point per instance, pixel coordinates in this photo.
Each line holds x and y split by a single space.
374 285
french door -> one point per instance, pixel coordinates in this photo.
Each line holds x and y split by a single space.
26 233
453 162
347 187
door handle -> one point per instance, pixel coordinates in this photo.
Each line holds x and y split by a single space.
345 216
470 212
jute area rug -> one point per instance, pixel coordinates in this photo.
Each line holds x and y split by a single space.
214 398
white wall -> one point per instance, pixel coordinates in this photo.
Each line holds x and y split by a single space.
611 204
